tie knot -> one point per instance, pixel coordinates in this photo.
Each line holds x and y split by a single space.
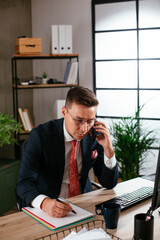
74 143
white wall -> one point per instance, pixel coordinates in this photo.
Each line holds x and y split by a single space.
58 12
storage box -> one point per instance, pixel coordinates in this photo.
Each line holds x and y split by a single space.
9 169
28 45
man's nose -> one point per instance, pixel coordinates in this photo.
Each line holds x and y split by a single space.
84 127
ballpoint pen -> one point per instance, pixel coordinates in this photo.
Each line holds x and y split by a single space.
58 200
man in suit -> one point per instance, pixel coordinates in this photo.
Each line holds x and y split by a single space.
44 172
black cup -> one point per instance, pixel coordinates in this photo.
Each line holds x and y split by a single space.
111 213
143 227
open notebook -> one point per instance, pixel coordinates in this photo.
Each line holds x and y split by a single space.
57 223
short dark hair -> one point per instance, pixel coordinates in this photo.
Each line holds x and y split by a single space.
82 96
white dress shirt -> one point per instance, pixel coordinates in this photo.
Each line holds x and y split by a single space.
110 163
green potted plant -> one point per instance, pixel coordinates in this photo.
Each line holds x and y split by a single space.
132 143
44 78
8 126
9 168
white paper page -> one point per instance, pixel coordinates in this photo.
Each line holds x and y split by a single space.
59 222
94 234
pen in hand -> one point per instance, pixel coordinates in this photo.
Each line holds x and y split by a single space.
58 200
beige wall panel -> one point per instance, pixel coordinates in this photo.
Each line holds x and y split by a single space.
61 12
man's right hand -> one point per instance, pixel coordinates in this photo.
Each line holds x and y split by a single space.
55 208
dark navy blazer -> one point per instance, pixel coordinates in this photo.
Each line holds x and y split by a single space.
42 165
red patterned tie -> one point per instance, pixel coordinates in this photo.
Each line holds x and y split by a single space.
73 171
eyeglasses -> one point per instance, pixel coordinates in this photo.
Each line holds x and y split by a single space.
80 122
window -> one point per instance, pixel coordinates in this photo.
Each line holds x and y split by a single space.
126 59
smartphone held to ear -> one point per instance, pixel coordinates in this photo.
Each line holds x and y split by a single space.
94 132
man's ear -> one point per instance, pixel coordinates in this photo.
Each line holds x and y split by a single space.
64 111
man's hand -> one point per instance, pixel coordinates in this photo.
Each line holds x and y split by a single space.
104 138
55 208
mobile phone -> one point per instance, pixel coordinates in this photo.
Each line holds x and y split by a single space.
94 132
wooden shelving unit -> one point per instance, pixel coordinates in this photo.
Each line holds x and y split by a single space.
16 86
56 85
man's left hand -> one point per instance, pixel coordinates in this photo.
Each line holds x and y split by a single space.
104 138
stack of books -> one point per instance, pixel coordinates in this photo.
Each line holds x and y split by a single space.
70 76
25 119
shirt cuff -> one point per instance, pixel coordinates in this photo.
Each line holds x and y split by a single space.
110 162
36 203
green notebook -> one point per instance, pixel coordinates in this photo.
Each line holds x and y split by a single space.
57 223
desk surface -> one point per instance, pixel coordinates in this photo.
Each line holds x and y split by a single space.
20 226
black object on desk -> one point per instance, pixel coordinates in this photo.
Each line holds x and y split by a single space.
130 199
143 229
144 223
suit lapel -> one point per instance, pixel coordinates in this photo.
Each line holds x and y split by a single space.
86 157
58 139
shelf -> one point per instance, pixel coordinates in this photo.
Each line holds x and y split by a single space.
44 86
17 87
45 56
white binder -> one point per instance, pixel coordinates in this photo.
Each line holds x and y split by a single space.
54 40
68 68
72 78
62 39
59 105
68 39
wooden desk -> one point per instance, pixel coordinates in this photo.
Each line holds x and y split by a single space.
20 226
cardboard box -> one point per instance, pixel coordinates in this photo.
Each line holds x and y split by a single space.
28 45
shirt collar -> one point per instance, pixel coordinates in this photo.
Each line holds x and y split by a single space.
67 136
